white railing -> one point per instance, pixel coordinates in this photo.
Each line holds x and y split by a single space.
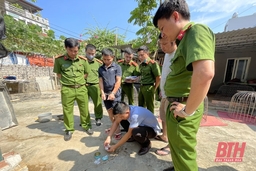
25 13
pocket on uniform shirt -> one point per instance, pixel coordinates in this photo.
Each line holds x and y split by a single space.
66 67
80 68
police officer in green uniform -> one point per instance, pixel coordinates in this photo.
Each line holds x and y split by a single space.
129 68
72 71
187 85
92 82
150 78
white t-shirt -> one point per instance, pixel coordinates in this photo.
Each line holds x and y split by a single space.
165 71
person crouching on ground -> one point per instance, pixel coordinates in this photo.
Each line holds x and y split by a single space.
139 123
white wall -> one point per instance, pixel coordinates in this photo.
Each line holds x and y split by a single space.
236 22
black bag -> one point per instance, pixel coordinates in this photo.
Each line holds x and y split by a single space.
3 51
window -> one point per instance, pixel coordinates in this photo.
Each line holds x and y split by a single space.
236 68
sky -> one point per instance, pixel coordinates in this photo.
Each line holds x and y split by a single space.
72 18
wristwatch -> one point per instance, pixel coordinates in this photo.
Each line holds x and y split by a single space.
185 114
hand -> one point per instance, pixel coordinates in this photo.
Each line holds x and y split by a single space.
129 81
107 141
111 149
111 96
160 95
103 97
177 107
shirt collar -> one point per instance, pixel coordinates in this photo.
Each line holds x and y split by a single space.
130 63
183 32
92 61
66 57
112 65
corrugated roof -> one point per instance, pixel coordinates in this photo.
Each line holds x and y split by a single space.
236 37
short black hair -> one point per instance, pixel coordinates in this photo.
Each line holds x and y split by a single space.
120 108
128 50
144 48
107 52
90 46
166 9
71 42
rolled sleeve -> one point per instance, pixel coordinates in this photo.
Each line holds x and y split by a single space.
57 68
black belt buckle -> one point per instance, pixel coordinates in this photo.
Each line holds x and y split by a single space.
77 86
175 99
172 99
90 84
146 84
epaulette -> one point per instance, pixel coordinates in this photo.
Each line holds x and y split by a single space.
98 61
82 57
58 56
134 63
152 61
119 61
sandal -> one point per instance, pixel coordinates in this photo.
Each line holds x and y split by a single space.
118 136
163 151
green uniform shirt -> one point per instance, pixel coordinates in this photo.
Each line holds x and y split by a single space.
198 43
93 76
72 71
131 69
149 70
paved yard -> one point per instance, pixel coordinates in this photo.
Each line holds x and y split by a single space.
42 147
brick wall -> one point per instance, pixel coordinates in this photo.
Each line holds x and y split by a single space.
25 72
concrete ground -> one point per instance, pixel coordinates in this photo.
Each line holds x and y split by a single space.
42 147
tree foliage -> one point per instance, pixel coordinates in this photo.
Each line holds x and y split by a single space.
103 38
30 38
142 16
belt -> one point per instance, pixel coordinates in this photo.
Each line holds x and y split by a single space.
177 99
147 84
90 84
74 86
123 83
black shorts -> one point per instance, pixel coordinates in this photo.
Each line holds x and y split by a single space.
111 103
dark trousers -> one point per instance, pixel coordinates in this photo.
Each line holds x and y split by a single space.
141 134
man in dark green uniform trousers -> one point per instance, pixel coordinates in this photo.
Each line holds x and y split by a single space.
129 68
72 71
186 86
92 82
150 75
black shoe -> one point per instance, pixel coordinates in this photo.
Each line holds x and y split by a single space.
98 122
67 136
144 150
89 131
131 139
169 169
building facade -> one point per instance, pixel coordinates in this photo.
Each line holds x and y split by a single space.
25 11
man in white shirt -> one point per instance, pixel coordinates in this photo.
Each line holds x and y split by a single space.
169 49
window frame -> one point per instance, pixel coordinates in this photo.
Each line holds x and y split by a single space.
234 70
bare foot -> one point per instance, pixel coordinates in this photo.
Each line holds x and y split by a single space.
163 151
